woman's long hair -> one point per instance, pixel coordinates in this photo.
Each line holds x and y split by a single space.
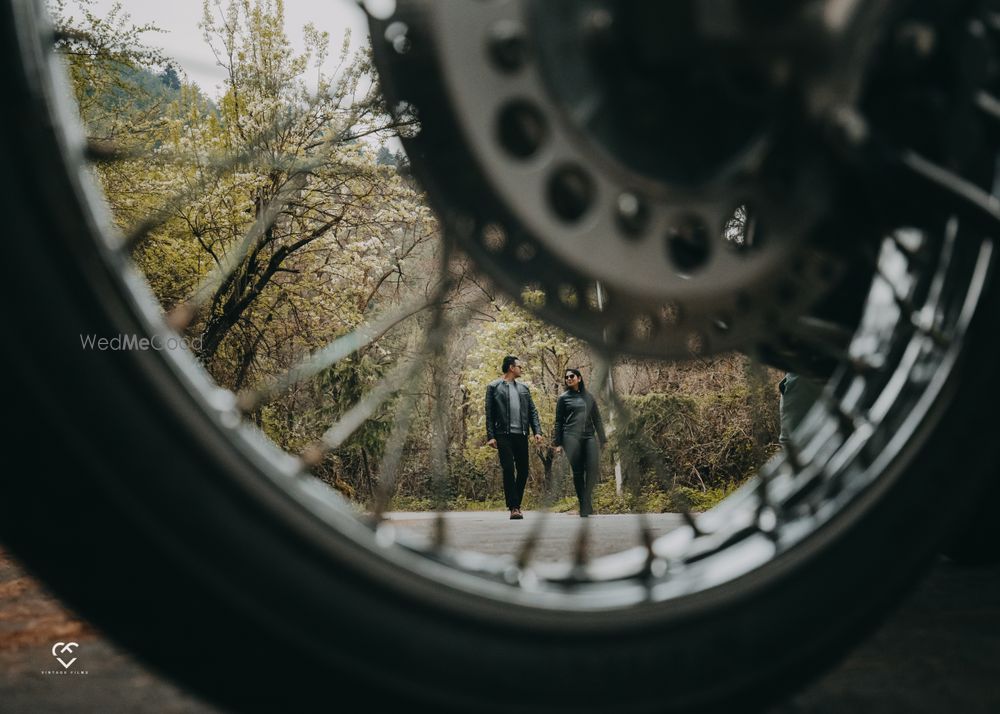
578 376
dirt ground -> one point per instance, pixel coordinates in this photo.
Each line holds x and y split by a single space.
103 678
29 616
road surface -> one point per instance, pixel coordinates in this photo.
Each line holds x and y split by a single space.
493 533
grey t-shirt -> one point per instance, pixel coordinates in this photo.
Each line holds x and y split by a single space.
515 407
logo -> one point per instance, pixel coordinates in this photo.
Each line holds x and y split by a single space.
64 654
59 649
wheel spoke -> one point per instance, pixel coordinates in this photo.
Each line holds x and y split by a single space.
913 245
353 418
258 155
440 533
100 151
439 444
581 545
924 319
403 373
530 544
963 197
108 151
393 456
182 315
792 455
211 173
646 539
988 104
916 318
849 420
857 423
436 340
338 349
765 502
637 450
832 341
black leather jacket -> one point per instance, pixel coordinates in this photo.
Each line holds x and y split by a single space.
577 416
498 410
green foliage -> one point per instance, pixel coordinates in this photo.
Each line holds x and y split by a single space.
350 239
405 502
106 58
607 501
283 133
692 499
461 503
651 499
401 502
704 440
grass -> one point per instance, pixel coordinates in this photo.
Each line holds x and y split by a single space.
651 500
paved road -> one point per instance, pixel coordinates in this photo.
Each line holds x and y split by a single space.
493 533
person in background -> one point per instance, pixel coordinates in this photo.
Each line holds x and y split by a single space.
510 417
798 394
580 431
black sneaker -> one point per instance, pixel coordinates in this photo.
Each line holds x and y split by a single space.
516 515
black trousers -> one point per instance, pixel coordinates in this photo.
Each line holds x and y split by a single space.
513 452
585 459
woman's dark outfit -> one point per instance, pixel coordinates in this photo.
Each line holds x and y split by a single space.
578 430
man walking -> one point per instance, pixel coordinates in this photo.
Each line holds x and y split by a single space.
510 416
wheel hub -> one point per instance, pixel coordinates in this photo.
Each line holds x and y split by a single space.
655 183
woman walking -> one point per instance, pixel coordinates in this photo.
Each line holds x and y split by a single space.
580 431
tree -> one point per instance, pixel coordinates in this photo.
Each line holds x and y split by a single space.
170 78
385 157
285 149
105 57
341 214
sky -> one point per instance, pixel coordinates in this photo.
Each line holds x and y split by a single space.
183 41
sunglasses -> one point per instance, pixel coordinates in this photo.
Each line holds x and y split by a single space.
570 376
